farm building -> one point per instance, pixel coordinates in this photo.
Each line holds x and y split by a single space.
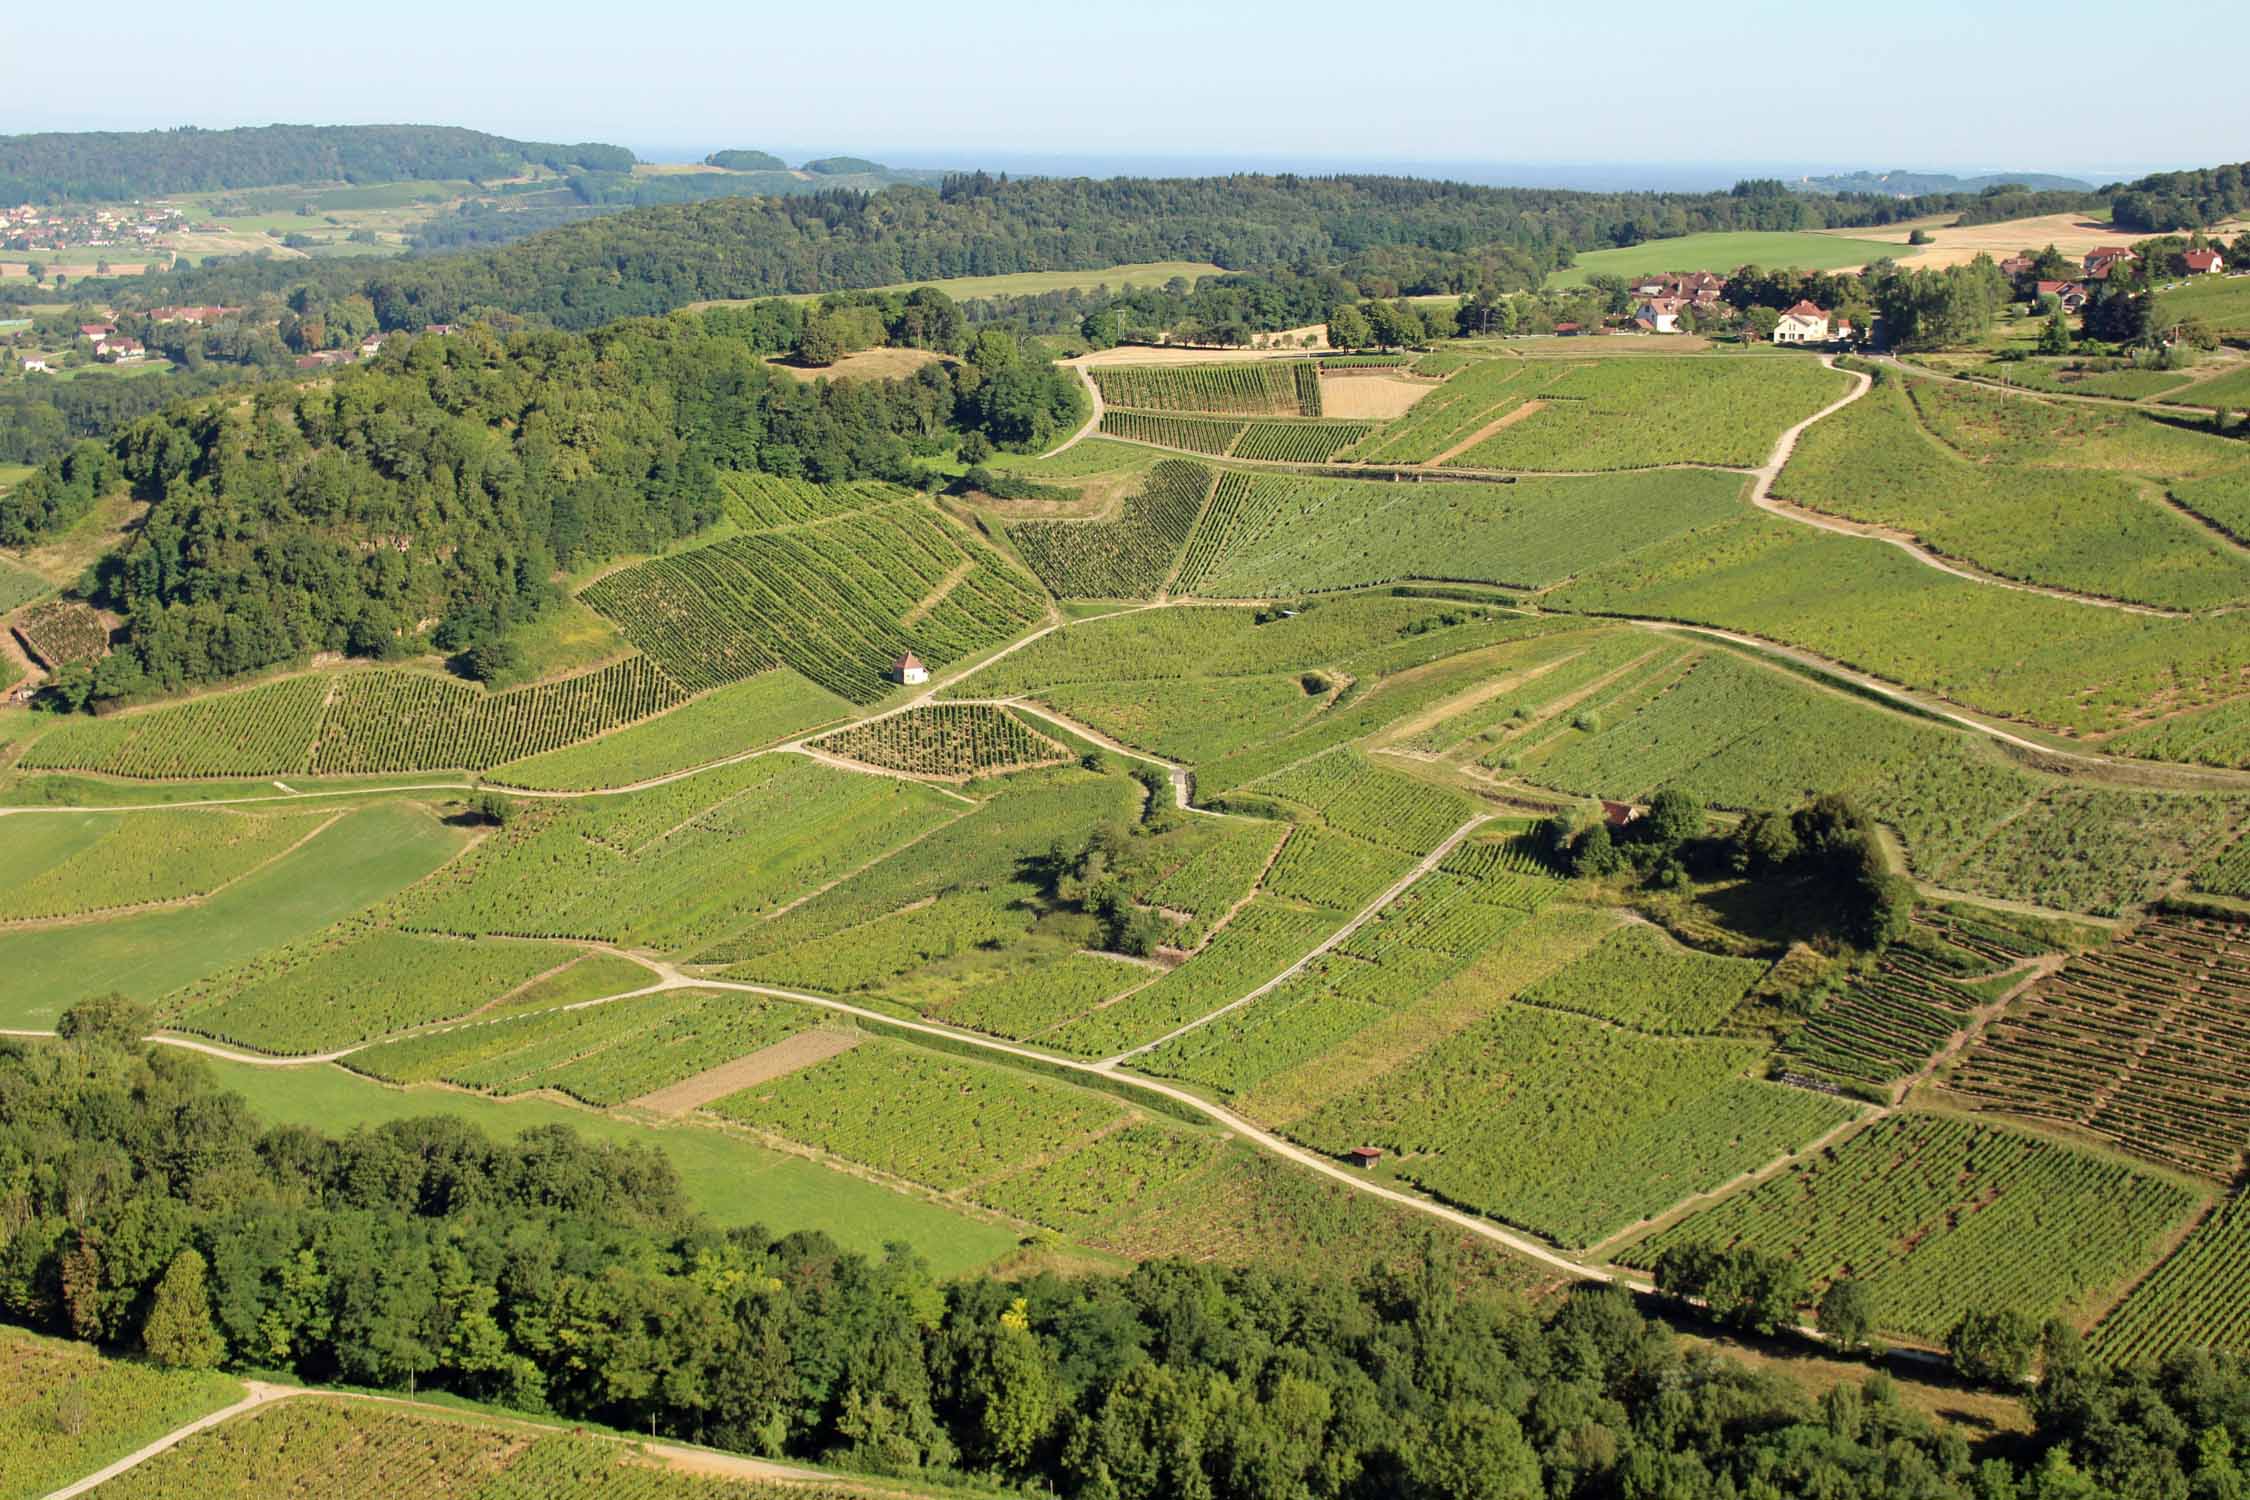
909 670
1618 814
1365 1156
1804 324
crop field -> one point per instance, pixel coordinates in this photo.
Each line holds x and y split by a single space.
260 731
762 502
1378 805
2069 377
63 632
1435 928
1210 435
938 1120
2221 499
1568 1127
739 717
2099 850
18 585
1641 979
1724 251
2227 873
1934 1214
2081 669
600 1054
1299 442
1191 719
828 601
1248 388
947 742
2087 529
1264 938
2228 392
350 985
1476 395
2222 302
74 864
1127 557
2198 1298
682 865
119 1406
403 721
1884 1026
1205 875
2143 1042
1638 413
1268 535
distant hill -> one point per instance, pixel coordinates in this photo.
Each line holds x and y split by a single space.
1919 184
746 161
844 166
108 165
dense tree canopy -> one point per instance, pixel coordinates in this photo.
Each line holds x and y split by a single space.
2167 201
113 165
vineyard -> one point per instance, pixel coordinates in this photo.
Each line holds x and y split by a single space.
115 1405
348 987
1941 1216
762 502
1569 1127
73 865
1223 865
2089 529
678 866
1380 806
1638 413
946 742
2144 1042
2227 874
601 1054
739 717
827 601
2198 1298
1272 535
63 632
1476 395
1250 388
1298 442
1884 1026
260 731
2099 850
2214 736
1165 430
1124 558
1640 978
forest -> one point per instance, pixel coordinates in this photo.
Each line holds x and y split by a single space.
152 1213
1424 236
2166 201
113 165
448 479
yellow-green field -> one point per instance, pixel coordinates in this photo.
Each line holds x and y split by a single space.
1724 253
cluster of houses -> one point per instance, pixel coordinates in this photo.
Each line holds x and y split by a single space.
110 346
2097 265
28 226
1665 296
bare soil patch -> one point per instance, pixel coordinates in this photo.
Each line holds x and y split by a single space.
867 364
1376 396
789 1055
2072 234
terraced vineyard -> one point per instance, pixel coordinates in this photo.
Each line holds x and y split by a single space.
1933 1213
1254 388
828 601
1298 442
946 741
2144 1042
1883 1027
1196 434
63 632
1124 558
260 731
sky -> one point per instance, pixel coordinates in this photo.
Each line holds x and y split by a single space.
1922 84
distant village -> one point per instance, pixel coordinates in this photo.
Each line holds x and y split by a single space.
31 228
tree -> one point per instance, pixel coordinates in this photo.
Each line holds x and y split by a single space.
1993 1348
112 1018
178 1331
1846 1313
493 661
1674 817
493 808
1348 328
2054 338
1478 1453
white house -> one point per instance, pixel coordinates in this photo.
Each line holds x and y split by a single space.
37 363
2204 262
1804 324
1659 314
909 670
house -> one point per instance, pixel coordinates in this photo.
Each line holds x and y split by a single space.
1566 330
2099 262
1364 1156
1699 288
2069 293
1804 324
1659 314
2204 262
322 359
371 346
1618 814
438 328
909 670
118 349
193 316
35 364
2017 265
96 331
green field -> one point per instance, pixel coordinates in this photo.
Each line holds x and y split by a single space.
742 716
733 1180
372 853
1032 283
1725 253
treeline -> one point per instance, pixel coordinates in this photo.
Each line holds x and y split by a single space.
41 416
149 1211
449 479
1422 235
2167 201
109 165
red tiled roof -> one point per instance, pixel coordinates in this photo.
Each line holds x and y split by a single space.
1806 309
2201 260
906 663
